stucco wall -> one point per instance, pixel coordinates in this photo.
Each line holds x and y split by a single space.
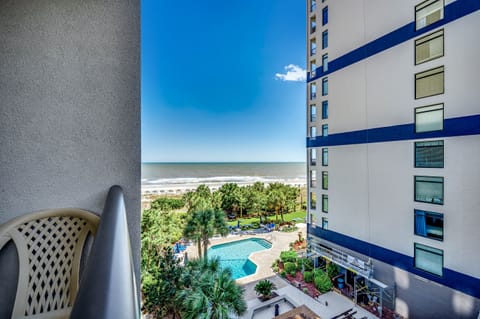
69 106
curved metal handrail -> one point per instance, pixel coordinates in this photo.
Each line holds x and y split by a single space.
108 287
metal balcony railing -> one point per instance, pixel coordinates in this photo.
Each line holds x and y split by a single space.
364 268
108 286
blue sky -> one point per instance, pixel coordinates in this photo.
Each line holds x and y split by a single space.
223 81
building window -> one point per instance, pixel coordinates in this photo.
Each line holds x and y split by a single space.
313 200
429 154
313 5
313 156
313 24
313 47
325 180
429 224
325 203
324 86
324 156
313 91
313 68
429 47
429 259
324 222
325 39
313 113
429 118
325 130
325 62
430 82
325 16
429 189
313 131
313 178
428 12
324 110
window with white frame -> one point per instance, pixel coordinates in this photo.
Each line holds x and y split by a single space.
313 200
313 113
313 178
313 90
428 12
429 259
429 118
429 47
313 47
313 156
313 68
313 131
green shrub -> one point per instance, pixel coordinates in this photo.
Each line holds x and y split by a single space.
265 288
322 282
293 273
283 274
288 256
308 264
308 276
289 267
332 270
275 263
275 268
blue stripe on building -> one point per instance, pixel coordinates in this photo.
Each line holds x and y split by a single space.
458 281
452 12
459 126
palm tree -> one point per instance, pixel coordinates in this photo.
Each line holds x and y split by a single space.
213 295
265 288
204 224
276 200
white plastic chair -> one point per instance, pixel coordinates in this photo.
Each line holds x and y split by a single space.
50 245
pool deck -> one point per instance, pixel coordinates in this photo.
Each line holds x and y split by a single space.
326 305
263 258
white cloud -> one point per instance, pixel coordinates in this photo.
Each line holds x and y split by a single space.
294 73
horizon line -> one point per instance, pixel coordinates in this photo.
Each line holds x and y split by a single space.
226 162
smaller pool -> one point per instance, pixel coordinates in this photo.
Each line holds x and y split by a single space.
234 255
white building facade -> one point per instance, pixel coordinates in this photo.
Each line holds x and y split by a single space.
393 150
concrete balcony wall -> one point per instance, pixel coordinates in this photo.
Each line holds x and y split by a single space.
69 108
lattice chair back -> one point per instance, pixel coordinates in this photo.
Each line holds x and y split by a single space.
49 245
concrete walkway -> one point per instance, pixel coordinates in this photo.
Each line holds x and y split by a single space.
326 306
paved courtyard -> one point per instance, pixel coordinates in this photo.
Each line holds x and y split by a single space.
326 305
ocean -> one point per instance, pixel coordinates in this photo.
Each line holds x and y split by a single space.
175 178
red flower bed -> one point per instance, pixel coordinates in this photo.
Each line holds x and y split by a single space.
299 282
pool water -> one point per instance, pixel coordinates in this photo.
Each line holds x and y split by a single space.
234 255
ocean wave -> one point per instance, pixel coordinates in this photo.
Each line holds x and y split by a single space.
218 179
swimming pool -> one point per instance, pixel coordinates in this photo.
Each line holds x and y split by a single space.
235 255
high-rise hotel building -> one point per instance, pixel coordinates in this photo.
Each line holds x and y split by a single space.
393 151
